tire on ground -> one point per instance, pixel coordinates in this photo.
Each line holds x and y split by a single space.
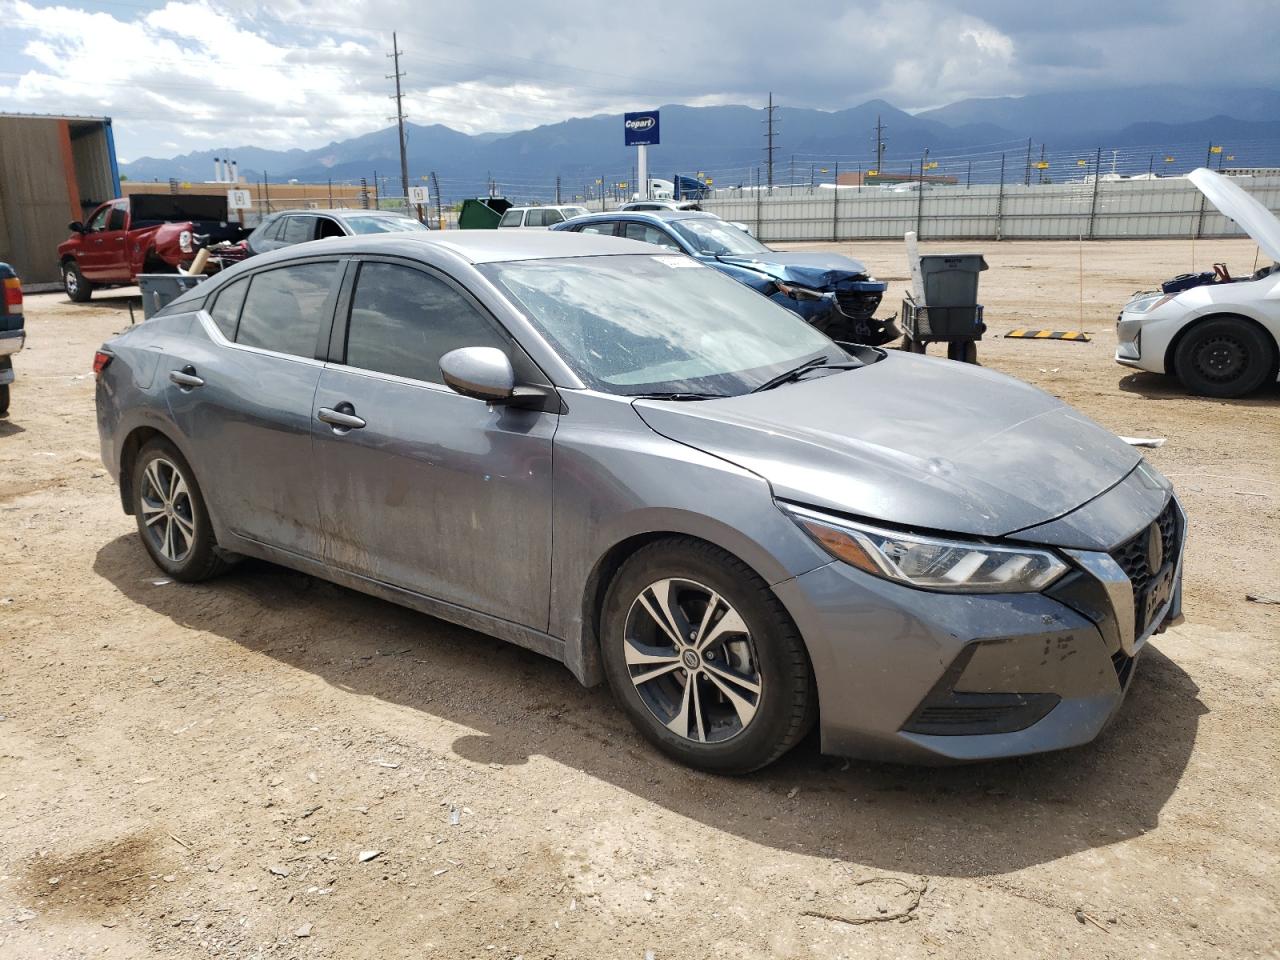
1224 357
787 704
185 513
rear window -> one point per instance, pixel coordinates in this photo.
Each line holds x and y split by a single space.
299 229
226 306
285 308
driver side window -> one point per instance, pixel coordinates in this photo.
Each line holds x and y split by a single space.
99 221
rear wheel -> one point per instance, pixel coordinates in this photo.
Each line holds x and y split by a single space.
1226 357
73 282
4 399
704 659
172 519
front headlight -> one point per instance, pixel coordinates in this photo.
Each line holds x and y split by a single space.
931 563
1148 303
799 293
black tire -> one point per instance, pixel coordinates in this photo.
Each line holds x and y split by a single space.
912 346
1225 357
73 282
963 351
190 556
785 699
4 399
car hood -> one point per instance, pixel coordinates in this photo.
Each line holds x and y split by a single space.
1254 218
916 441
818 271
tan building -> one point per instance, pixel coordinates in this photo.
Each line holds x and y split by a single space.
857 178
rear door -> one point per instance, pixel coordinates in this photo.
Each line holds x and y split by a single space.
647 233
298 229
432 492
243 394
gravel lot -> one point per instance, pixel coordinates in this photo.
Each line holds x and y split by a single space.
193 771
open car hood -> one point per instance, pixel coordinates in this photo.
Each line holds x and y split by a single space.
916 441
1255 219
817 271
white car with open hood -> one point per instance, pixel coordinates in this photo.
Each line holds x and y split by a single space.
1218 334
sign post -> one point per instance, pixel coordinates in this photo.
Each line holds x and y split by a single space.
640 130
239 200
420 197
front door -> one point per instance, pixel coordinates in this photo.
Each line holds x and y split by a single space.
245 400
423 488
93 252
115 249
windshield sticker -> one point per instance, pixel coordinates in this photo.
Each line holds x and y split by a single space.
678 263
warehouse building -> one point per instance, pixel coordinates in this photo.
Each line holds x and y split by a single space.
52 170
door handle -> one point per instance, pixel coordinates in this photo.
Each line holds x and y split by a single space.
341 420
186 378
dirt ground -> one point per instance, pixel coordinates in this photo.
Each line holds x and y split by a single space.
195 771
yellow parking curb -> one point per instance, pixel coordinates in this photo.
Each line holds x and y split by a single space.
1047 335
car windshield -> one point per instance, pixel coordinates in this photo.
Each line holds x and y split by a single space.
574 212
715 238
383 224
639 324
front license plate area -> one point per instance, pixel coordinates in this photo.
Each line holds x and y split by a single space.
1156 595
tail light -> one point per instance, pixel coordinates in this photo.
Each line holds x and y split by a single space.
100 361
12 296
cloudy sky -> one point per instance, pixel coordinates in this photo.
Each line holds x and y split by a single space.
181 76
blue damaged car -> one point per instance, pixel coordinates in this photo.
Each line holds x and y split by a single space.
833 293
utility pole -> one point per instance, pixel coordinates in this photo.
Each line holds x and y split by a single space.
557 190
879 144
399 99
1041 168
768 137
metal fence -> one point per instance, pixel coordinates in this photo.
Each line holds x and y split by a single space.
1102 210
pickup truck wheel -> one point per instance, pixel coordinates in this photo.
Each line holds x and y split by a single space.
4 399
1225 357
172 519
78 288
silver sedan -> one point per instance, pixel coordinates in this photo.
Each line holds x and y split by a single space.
633 464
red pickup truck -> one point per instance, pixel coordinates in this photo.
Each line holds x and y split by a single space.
146 233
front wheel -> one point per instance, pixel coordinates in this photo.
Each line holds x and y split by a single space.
1226 357
704 659
73 282
172 519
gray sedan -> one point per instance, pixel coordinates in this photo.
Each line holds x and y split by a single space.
635 465
289 227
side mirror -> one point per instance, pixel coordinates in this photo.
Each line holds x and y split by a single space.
483 373
75 226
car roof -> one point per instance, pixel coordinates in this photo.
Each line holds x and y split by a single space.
343 212
662 215
473 246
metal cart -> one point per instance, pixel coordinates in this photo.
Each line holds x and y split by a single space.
942 306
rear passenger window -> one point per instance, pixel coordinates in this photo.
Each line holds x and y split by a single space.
299 230
604 229
285 308
550 217
534 218
226 307
403 321
117 219
648 234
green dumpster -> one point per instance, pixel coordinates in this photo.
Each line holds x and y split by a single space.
483 213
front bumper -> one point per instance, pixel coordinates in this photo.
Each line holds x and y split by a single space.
913 676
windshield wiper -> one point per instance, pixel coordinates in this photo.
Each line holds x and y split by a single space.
674 395
813 363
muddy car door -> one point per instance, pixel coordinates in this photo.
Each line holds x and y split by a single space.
93 252
243 395
420 487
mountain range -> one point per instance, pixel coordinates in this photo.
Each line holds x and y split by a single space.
727 142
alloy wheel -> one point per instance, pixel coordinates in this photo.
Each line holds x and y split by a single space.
692 660
167 511
71 281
